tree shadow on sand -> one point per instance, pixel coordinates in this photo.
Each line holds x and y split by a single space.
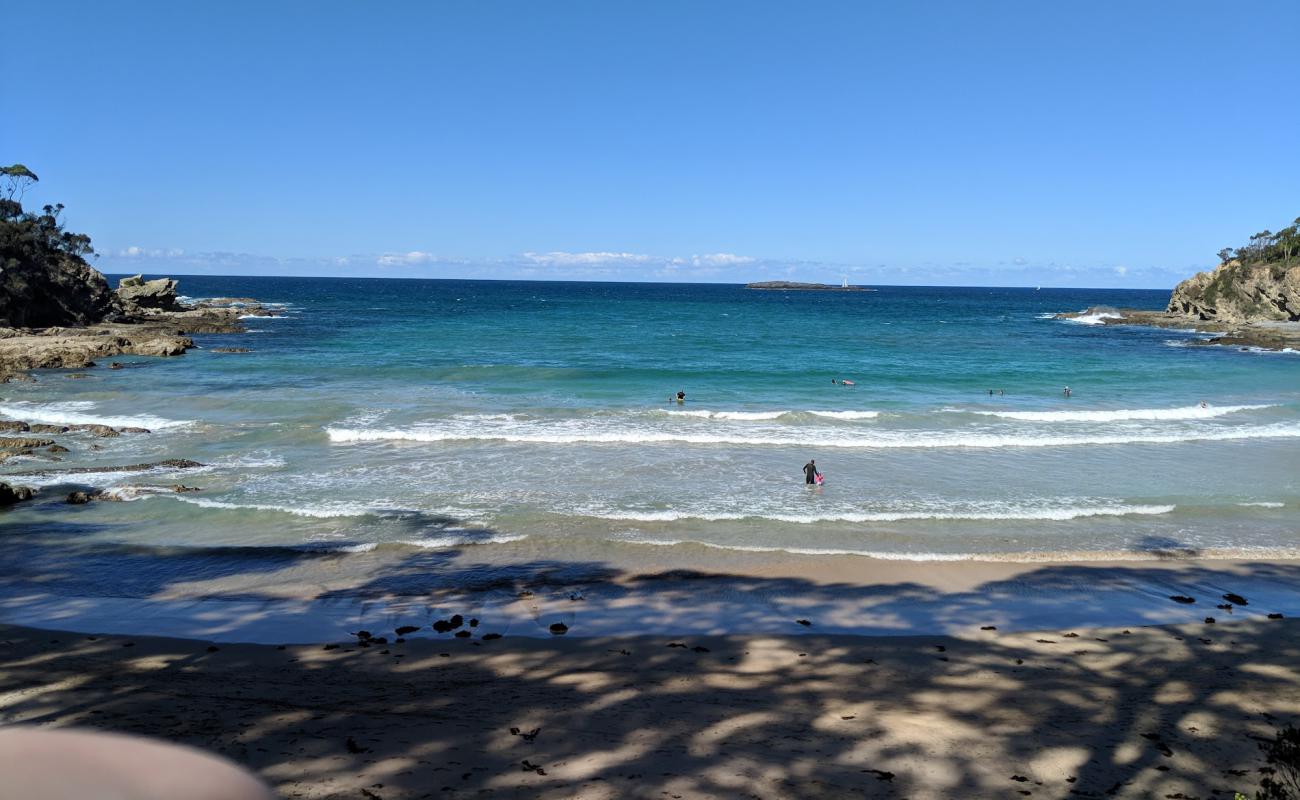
1137 712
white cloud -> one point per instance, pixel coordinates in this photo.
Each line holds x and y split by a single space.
720 260
405 259
1121 270
135 251
560 258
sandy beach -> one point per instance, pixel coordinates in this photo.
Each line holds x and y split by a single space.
1155 711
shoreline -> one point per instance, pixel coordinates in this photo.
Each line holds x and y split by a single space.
591 599
1091 712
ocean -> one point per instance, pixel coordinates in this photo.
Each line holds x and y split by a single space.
379 426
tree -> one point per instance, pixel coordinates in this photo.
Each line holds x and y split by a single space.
17 178
1226 255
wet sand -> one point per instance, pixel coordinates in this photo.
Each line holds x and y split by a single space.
1104 712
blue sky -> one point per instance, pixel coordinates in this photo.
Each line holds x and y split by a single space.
964 142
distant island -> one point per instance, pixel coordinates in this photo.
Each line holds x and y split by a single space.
795 286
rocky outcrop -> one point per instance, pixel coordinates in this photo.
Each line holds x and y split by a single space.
1264 335
59 290
136 294
1237 293
13 494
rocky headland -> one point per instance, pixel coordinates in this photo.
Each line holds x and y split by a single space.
57 311
142 318
1252 299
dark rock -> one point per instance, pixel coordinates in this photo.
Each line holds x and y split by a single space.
117 365
14 494
180 487
559 628
14 425
56 290
1275 616
362 634
40 428
56 448
463 634
23 443
405 629
1182 598
171 463
441 626
98 430
487 637
473 622
456 621
1209 620
79 498
133 430
355 748
1235 599
230 350
804 622
989 628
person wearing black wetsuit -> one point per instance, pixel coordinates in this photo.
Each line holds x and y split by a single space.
810 472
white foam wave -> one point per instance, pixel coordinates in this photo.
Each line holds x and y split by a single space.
1098 318
1119 415
1046 315
744 416
846 414
433 543
765 416
257 460
466 538
74 413
577 434
1045 514
99 479
325 510
1263 504
262 316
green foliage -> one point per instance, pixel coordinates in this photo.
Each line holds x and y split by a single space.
27 237
1267 247
15 180
1282 775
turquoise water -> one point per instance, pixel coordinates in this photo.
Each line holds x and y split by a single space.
532 421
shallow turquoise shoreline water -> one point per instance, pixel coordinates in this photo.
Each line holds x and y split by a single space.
520 420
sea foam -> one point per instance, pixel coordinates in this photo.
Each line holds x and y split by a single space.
1119 415
1045 514
886 440
74 412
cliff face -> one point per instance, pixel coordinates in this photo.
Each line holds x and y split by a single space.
59 290
1238 293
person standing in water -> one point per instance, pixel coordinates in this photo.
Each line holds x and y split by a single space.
810 472
681 397
1067 391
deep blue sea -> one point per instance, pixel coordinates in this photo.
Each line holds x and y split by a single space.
535 421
